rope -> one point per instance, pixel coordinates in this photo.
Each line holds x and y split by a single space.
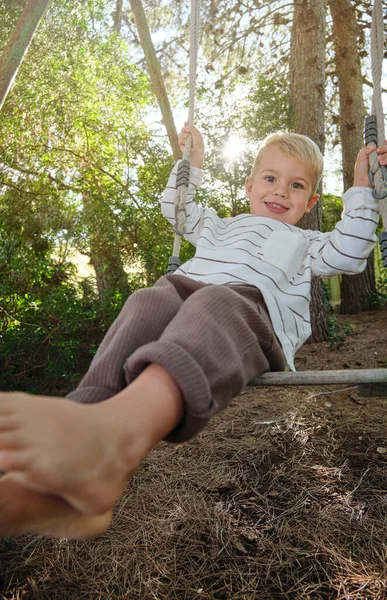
374 129
377 51
182 179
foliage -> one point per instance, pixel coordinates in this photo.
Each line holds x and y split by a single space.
45 322
238 39
337 332
73 137
380 298
73 140
268 108
332 207
382 284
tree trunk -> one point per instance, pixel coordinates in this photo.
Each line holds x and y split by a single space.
117 17
18 44
109 272
357 291
307 99
155 75
104 257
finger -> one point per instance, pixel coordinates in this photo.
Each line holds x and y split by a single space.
370 148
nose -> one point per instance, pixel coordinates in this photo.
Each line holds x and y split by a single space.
280 190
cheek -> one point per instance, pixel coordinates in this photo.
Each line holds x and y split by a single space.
256 193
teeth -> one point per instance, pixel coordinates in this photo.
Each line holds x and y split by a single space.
275 205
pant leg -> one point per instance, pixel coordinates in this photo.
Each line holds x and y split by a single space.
142 319
218 341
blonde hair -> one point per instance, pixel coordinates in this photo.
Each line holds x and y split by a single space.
294 145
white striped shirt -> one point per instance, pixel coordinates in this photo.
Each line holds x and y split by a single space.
277 258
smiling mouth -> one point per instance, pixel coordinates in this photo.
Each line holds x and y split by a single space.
276 207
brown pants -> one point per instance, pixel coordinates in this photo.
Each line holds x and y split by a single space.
212 339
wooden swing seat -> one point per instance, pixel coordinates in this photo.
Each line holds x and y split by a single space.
371 382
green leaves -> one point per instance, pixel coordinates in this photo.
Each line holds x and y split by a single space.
72 145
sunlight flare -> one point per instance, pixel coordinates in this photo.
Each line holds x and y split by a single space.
233 147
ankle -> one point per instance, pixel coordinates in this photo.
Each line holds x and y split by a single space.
148 409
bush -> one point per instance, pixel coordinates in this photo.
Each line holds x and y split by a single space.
49 334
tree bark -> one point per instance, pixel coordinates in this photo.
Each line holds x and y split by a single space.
357 291
307 99
103 255
109 272
18 44
118 16
155 75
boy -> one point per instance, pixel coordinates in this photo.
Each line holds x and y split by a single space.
179 352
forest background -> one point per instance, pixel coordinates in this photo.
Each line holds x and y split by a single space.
85 155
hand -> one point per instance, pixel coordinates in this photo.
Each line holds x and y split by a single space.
197 147
362 164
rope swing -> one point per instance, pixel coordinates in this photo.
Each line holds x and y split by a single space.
182 178
373 380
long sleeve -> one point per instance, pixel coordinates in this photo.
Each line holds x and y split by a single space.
194 220
277 258
347 247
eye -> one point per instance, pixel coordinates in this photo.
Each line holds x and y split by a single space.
269 178
298 185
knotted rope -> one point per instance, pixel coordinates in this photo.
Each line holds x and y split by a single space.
374 127
182 179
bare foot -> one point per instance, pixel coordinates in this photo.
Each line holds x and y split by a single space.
59 447
24 511
85 453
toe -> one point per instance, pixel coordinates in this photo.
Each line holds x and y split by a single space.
25 511
13 460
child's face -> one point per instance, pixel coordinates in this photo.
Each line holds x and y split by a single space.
281 188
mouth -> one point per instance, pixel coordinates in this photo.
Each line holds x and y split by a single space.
275 207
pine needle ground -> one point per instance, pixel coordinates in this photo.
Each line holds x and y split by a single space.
283 496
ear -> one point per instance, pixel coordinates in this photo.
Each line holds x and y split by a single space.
248 186
311 202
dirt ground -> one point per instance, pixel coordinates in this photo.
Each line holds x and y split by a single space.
283 496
